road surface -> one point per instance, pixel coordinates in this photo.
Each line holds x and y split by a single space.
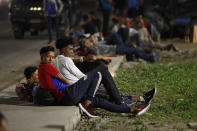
17 54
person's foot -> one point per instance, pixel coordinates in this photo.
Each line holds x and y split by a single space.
87 110
142 109
150 95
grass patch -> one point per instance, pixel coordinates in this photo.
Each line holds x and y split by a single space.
177 88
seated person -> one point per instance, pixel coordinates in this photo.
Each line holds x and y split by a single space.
24 90
149 35
114 45
81 92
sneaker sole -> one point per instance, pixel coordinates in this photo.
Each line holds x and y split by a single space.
143 111
87 113
153 95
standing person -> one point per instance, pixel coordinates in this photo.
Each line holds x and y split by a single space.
3 123
106 10
52 10
135 8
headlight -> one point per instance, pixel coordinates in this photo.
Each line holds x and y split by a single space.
35 8
39 9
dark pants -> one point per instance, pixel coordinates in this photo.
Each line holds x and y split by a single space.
107 79
102 103
52 22
128 51
106 20
85 88
132 12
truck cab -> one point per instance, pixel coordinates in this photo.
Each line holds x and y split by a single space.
26 15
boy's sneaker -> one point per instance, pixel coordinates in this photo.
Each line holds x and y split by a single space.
142 109
149 95
87 110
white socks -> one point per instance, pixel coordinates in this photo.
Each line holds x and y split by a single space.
142 98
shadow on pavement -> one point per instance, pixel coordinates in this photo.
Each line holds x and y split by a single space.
61 127
14 101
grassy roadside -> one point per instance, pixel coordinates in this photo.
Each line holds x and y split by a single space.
176 98
174 106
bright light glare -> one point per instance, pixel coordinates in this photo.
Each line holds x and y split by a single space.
39 9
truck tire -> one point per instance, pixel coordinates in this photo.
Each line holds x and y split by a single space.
19 34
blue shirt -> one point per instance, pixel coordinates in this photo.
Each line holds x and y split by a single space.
50 7
105 4
132 3
59 85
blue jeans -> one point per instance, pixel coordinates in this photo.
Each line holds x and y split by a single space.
52 22
128 51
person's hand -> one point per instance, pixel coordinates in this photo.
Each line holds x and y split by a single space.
107 60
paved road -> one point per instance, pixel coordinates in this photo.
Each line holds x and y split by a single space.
17 54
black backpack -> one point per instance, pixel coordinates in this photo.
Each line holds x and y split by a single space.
44 97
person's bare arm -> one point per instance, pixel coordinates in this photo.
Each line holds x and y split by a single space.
63 79
101 57
108 55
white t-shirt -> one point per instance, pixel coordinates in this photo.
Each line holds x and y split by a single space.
132 31
68 69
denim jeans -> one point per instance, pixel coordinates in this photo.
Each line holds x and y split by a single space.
52 22
106 20
128 51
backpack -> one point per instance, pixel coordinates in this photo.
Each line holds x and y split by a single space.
43 97
24 92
